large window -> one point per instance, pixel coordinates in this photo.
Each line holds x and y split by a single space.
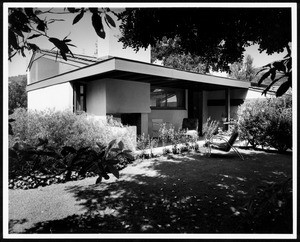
79 97
167 98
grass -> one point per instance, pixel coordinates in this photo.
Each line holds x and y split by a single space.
169 194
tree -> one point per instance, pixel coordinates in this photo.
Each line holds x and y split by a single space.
218 35
243 71
169 52
26 24
281 69
17 92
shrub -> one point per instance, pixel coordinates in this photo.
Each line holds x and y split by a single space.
279 131
64 128
17 95
146 142
252 121
44 161
267 122
165 133
210 128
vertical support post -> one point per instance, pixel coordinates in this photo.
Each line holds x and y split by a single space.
227 105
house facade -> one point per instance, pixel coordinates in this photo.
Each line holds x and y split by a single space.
123 83
138 93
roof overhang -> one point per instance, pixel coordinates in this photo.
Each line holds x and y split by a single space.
119 68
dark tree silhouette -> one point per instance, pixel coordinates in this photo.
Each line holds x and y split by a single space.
218 35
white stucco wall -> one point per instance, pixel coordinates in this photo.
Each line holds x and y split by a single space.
58 97
43 68
96 98
64 67
253 94
174 117
127 97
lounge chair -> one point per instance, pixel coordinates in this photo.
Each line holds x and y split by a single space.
190 127
225 145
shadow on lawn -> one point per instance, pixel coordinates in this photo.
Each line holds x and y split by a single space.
192 194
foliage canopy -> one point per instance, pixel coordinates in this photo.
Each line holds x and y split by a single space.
219 35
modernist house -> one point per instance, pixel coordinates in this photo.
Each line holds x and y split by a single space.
123 83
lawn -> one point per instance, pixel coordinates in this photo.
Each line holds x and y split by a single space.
188 193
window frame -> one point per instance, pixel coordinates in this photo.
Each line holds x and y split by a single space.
77 97
166 91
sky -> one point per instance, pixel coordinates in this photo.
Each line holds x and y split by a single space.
84 37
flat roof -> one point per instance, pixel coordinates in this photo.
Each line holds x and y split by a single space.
124 69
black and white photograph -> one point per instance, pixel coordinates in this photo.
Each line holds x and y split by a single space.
149 120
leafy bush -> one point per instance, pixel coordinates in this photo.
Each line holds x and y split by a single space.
267 122
210 128
17 95
27 160
64 128
166 133
146 142
252 121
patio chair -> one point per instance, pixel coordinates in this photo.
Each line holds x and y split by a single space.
190 127
225 145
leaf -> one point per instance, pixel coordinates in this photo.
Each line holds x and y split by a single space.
114 171
129 156
94 10
101 146
273 73
121 145
73 10
127 151
279 65
288 64
41 26
18 32
13 40
272 83
33 47
263 69
110 145
78 17
54 20
73 46
283 88
61 45
110 20
115 150
63 54
34 36
98 26
37 12
264 76
29 11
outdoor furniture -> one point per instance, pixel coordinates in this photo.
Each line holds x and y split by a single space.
190 127
224 144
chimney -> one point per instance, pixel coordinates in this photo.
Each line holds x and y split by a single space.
110 47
